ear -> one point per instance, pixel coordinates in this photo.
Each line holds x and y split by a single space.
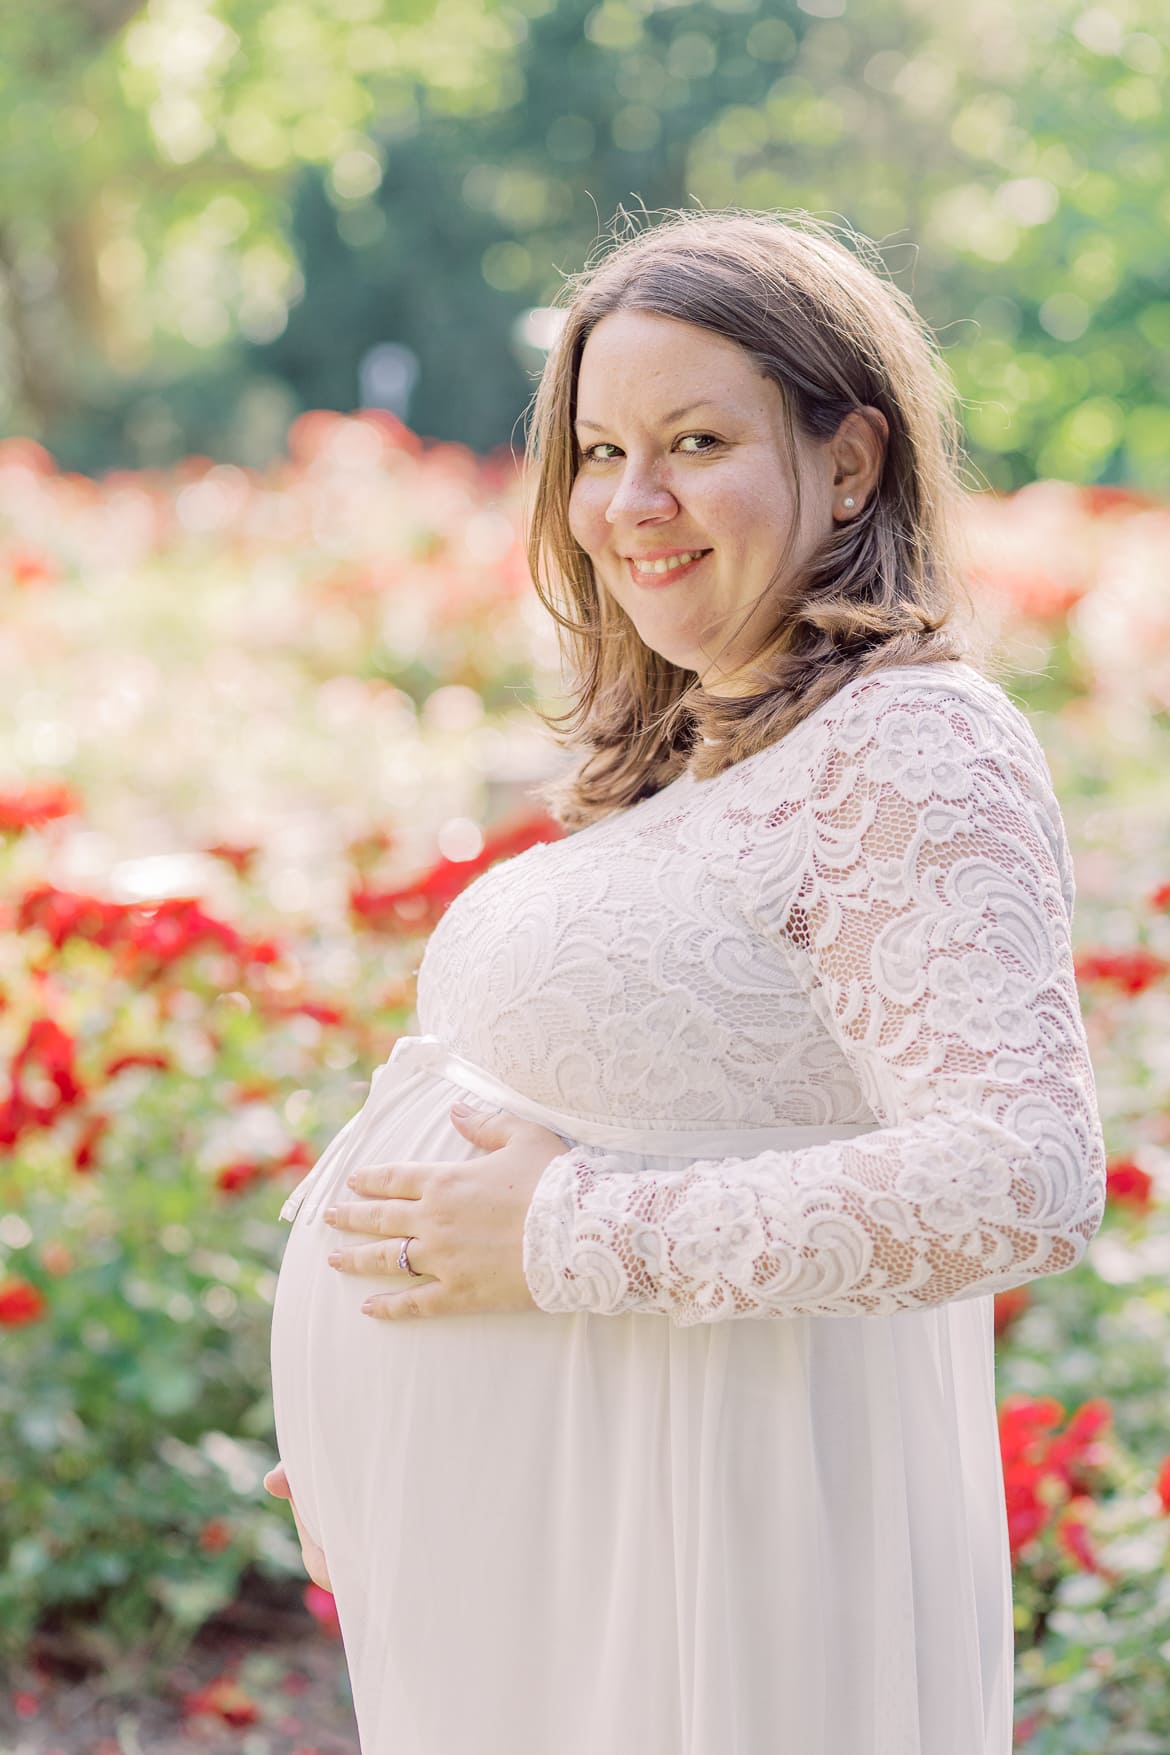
857 450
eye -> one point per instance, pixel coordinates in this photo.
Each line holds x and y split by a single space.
590 457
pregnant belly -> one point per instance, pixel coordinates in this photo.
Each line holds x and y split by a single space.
358 1400
472 1481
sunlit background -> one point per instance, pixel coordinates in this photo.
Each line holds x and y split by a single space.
276 285
215 216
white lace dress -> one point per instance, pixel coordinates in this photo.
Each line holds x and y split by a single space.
811 1035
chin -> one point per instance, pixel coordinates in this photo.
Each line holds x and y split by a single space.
681 660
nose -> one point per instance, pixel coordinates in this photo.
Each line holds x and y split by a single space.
640 495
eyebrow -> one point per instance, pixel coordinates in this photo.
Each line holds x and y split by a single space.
675 414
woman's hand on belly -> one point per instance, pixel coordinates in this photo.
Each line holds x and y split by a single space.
465 1222
312 1554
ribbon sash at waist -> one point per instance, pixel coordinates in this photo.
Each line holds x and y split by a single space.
697 1143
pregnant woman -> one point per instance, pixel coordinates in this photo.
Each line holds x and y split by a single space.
671 1426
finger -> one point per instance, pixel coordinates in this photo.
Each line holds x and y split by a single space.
313 1549
319 1573
401 1181
276 1483
312 1553
313 1559
306 1539
382 1218
402 1306
387 1181
276 1480
488 1128
377 1258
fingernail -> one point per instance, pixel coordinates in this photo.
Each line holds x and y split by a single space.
461 1109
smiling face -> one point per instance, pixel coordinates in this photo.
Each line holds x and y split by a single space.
684 460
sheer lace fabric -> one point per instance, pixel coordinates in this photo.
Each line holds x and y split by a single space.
868 920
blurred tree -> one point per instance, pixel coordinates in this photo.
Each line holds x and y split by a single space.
1021 152
148 149
476 215
298 184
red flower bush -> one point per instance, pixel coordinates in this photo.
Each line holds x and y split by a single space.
36 805
277 1006
120 1062
215 1535
62 915
1128 1186
235 1178
150 936
26 567
1048 1475
20 1302
45 1062
1009 1307
1072 1533
85 1151
241 858
224 1699
417 906
244 1173
1163 1486
1131 971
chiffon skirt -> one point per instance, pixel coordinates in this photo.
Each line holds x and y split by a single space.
606 1535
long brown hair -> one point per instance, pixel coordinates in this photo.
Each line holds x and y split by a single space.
829 327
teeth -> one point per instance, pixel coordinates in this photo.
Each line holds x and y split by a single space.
668 566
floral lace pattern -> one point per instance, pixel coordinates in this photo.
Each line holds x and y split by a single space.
871 920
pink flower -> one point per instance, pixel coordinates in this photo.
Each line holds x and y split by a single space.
321 1605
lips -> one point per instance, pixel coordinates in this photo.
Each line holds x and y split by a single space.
668 575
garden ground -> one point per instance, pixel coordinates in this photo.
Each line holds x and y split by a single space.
261 1679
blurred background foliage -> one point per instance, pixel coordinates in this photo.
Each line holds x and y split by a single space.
215 214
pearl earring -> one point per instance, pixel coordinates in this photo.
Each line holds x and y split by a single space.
848 504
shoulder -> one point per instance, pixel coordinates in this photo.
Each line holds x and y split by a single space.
942 743
927 714
953 686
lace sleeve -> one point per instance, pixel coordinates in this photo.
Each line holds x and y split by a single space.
923 894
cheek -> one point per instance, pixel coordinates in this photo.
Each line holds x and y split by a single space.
587 515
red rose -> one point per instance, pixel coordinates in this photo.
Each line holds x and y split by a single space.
215 1535
235 1178
1009 1307
20 1302
1128 1186
223 1698
1164 1486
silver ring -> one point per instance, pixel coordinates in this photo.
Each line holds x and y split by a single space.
404 1259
